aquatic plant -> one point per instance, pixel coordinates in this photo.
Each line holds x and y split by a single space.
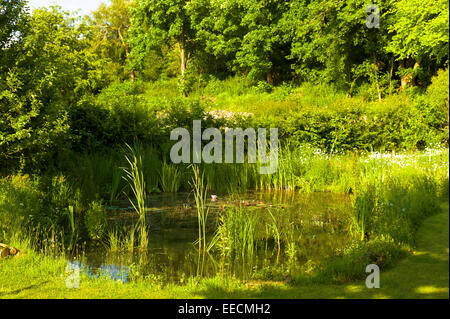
170 178
199 190
275 231
135 177
114 240
69 213
115 184
129 242
236 233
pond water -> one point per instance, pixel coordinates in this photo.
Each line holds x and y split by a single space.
290 230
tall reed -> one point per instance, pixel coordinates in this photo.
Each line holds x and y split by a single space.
135 177
275 230
199 189
236 233
114 240
115 184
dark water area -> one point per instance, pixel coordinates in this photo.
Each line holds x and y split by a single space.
313 226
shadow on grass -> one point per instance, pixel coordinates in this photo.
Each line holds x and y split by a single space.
17 291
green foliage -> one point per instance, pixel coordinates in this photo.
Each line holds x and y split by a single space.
95 221
387 217
199 190
34 101
155 21
236 233
13 27
434 105
20 202
351 124
170 178
135 177
109 33
352 261
72 92
420 30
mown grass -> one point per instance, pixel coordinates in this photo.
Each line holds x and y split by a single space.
425 274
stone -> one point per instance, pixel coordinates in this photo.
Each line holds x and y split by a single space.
6 251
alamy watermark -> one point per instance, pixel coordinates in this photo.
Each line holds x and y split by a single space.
373 19
234 153
73 278
373 280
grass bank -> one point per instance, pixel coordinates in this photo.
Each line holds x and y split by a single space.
424 274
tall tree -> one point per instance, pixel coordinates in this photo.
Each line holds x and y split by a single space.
110 39
55 70
156 22
13 25
420 31
332 43
246 32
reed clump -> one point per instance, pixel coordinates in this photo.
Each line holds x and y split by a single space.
135 176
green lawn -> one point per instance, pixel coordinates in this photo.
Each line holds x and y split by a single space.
422 275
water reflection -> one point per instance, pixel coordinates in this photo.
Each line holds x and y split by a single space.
110 271
316 223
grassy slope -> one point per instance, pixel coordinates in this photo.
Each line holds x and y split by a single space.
423 275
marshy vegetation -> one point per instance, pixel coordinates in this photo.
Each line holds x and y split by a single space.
323 221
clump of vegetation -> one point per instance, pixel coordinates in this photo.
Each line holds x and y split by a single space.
135 177
202 211
96 221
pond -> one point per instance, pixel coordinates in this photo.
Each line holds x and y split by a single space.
253 235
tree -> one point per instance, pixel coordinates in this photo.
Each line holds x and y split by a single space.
13 24
263 52
331 42
420 30
55 70
110 35
155 22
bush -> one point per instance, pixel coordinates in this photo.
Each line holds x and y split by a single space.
351 262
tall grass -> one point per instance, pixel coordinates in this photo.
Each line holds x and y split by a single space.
135 177
71 218
114 241
274 229
236 233
199 189
115 183
170 178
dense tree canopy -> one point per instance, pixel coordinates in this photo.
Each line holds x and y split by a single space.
319 41
13 25
54 65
